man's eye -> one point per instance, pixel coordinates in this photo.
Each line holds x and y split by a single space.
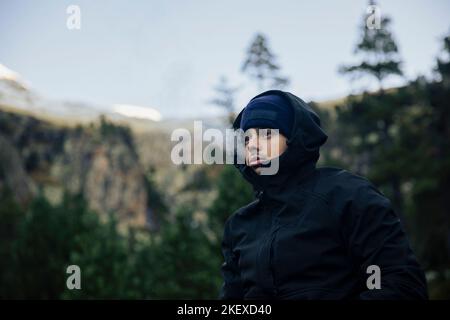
266 133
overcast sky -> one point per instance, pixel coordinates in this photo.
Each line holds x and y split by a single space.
169 55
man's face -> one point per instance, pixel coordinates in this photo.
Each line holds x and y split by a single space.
259 147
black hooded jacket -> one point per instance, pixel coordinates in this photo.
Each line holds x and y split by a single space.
312 233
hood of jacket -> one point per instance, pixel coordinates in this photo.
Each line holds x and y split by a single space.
302 153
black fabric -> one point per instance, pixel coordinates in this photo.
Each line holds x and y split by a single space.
312 232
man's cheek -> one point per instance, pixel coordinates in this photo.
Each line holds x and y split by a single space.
266 152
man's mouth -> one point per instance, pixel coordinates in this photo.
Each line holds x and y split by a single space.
257 162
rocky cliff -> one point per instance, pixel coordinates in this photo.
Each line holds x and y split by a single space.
98 160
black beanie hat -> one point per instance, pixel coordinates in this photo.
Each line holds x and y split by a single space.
268 111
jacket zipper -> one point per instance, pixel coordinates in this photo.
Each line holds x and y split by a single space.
271 262
271 251
261 196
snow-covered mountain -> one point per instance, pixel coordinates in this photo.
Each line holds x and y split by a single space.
16 94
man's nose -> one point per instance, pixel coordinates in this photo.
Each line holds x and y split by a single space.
253 143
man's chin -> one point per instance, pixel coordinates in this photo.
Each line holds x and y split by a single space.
257 170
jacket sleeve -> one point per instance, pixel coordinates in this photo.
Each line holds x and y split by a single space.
375 236
232 285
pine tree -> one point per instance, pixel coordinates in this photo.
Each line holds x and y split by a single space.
226 96
260 65
426 132
367 121
181 263
233 192
377 48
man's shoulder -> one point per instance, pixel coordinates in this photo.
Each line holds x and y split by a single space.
341 187
332 180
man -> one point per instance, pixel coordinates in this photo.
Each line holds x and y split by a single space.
312 233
